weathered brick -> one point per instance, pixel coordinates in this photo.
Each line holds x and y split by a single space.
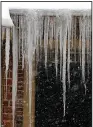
19 105
20 79
9 89
10 67
19 113
20 84
19 109
9 74
19 118
9 96
20 71
7 109
9 81
5 102
8 123
20 75
7 116
20 87
20 95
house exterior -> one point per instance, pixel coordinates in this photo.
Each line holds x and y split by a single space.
22 110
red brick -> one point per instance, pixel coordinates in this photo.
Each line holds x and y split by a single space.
9 96
7 116
9 89
5 103
8 123
9 81
7 109
9 74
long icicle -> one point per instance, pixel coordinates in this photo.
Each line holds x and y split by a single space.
75 39
87 43
7 52
22 28
83 51
37 39
72 35
30 55
51 33
69 40
61 48
26 52
56 46
15 68
90 42
19 37
29 61
46 25
64 65
80 38
41 35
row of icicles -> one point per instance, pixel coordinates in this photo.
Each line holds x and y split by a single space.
28 33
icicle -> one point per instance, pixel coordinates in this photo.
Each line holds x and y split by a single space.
72 35
41 30
31 38
22 27
90 42
19 36
26 53
37 38
15 67
80 38
29 62
61 48
64 63
51 32
75 39
56 46
69 40
41 35
87 42
7 51
46 27
83 51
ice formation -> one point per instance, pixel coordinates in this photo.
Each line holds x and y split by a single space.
39 27
7 51
15 67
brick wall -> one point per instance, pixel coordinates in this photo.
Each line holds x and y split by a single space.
7 102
